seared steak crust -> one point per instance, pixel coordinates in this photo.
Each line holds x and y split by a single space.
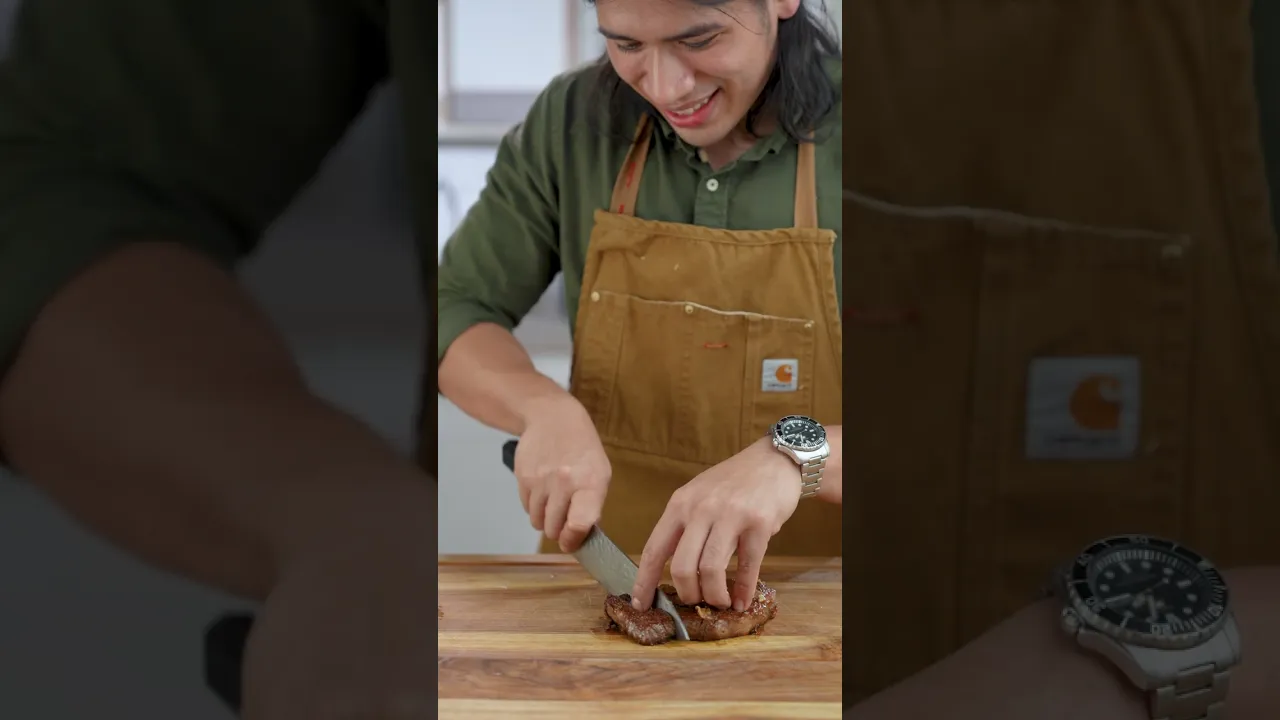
704 622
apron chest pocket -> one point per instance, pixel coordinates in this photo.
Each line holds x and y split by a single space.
689 382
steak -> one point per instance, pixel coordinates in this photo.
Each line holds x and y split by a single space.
704 622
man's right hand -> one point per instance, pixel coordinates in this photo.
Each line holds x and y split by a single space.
562 471
345 633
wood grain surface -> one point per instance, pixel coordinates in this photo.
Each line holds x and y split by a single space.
526 636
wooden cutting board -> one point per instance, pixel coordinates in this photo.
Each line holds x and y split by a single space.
526 636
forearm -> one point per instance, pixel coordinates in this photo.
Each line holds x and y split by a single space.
1026 667
489 375
157 406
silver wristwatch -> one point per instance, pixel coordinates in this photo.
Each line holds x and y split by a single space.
1161 613
804 440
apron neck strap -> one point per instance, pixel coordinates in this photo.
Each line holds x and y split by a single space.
806 187
627 187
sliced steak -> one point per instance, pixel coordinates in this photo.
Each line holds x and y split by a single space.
704 622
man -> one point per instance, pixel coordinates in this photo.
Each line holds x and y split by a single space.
693 337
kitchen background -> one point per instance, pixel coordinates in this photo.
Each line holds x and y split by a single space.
87 632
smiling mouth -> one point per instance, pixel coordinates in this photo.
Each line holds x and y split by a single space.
686 112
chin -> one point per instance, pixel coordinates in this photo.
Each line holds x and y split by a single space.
702 137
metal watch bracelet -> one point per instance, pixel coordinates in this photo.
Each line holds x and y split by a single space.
811 477
1199 693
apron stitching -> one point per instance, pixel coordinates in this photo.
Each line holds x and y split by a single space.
960 212
708 308
796 236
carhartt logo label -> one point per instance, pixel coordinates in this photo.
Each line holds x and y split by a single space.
1095 404
1083 408
780 375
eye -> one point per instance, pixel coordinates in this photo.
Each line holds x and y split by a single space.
628 47
699 44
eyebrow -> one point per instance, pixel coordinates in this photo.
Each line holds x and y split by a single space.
692 32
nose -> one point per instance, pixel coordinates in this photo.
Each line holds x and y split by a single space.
667 80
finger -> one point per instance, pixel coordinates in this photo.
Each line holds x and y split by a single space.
524 497
556 512
684 563
584 513
537 508
751 549
721 542
661 545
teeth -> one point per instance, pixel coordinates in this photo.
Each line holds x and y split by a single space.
693 109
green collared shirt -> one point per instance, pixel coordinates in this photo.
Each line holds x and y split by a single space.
534 217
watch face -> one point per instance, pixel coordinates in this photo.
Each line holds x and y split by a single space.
1148 591
800 433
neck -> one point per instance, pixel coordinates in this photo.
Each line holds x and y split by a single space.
735 144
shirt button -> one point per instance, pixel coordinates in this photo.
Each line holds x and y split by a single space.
713 184
595 297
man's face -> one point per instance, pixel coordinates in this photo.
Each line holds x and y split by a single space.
701 66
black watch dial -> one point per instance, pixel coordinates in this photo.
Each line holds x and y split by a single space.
800 433
1148 591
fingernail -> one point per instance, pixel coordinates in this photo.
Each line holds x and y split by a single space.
739 605
635 603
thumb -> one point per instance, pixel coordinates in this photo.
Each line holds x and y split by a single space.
584 513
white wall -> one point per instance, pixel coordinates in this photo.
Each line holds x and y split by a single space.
537 27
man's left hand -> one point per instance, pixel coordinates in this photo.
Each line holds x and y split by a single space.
737 505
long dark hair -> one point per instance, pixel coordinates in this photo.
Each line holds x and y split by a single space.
798 93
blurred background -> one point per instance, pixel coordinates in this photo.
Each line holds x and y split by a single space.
87 632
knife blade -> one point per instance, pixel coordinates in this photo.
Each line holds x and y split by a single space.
606 562
617 573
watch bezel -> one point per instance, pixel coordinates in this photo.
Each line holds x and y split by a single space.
1109 622
776 433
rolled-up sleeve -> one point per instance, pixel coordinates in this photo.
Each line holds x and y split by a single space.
505 252
191 122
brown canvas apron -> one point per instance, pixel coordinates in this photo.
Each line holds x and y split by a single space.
1063 298
675 325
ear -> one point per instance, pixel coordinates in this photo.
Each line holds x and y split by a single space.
786 9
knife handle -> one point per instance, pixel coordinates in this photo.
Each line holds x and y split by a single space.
509 454
224 643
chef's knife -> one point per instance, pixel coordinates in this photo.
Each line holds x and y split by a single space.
605 561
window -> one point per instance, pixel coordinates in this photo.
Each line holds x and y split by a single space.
497 55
